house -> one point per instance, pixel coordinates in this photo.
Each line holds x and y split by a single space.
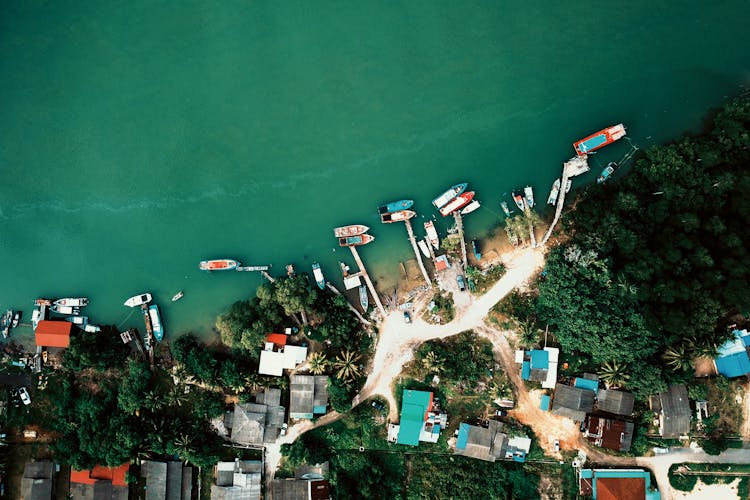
99 483
613 434
572 402
673 408
254 423
518 447
38 480
588 382
617 484
484 443
308 396
309 483
418 420
278 356
539 365
53 333
617 402
238 480
733 357
167 480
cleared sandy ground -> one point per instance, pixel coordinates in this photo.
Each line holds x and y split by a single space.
704 491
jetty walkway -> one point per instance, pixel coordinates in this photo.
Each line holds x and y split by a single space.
575 166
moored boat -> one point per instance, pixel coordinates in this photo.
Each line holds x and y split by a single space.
529 193
395 206
475 249
36 316
138 300
43 302
218 265
351 230
599 139
318 274
399 216
424 248
504 206
78 320
353 241
470 207
73 302
457 203
432 235
608 170
552 199
66 310
156 326
518 199
92 328
449 195
364 300
16 319
178 296
567 185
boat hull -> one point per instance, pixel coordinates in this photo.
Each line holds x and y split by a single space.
599 139
475 250
459 202
73 302
554 192
364 301
504 206
432 235
351 230
399 216
177 296
424 248
318 274
607 172
529 194
447 196
218 265
137 300
395 206
156 326
518 200
354 241
470 207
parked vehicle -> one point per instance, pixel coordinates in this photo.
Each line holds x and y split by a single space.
461 283
284 428
501 413
407 317
24 395
556 445
378 405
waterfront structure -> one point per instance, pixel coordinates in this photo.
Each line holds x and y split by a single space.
673 408
733 357
237 480
309 483
170 480
38 482
308 396
617 484
572 402
420 420
53 333
539 365
100 483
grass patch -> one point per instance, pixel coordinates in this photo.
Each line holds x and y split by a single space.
682 476
442 311
484 279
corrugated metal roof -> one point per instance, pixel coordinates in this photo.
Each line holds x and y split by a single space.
545 403
53 333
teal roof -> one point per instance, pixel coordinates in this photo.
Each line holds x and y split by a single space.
539 359
545 403
584 383
734 365
463 436
414 408
525 370
738 343
622 473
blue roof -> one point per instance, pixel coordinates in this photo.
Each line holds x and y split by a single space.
738 343
463 436
734 365
545 403
584 383
539 359
525 370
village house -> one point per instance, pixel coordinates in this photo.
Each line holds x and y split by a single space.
733 357
100 483
484 443
38 482
308 396
539 365
617 484
420 420
253 424
572 402
616 402
612 434
238 480
277 356
309 483
167 480
673 409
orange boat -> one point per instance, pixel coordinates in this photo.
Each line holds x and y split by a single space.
399 216
458 202
354 241
353 230
599 139
219 265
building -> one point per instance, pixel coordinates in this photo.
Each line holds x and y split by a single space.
38 482
572 402
612 434
167 480
539 365
673 409
617 402
53 333
277 356
238 480
617 484
518 447
99 483
308 396
255 423
419 420
733 358
484 443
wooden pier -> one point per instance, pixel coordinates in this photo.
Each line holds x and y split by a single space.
150 340
366 276
252 268
460 227
571 168
267 276
532 236
417 252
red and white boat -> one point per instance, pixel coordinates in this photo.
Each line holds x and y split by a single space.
354 241
432 235
457 203
219 265
353 230
399 216
599 139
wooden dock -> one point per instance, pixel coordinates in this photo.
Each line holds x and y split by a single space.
460 227
417 252
267 276
252 268
571 168
366 276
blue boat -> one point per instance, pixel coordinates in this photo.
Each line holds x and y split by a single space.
319 279
156 326
395 206
446 197
475 249
608 170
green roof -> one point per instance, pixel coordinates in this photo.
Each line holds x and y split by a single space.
414 407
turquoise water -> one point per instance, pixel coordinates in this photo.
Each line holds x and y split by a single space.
141 137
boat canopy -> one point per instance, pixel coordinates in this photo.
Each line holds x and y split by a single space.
593 143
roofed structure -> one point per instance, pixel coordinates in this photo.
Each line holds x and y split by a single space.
308 395
276 358
99 483
572 402
300 489
256 423
414 408
617 402
38 480
609 433
167 480
617 484
539 365
673 407
733 357
238 480
484 443
50 333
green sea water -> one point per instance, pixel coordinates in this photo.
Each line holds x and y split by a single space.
139 137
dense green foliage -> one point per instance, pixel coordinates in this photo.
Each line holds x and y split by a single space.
97 350
462 358
656 259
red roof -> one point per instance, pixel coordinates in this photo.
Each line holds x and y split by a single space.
276 338
100 473
53 333
620 488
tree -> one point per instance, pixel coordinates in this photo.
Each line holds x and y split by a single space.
614 374
318 363
135 383
432 363
98 350
231 375
648 380
294 295
677 356
346 366
339 395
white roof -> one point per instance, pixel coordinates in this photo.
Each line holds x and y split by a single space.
295 354
352 282
519 356
271 363
520 443
551 379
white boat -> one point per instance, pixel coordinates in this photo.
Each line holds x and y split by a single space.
554 192
177 296
470 207
157 328
529 193
78 320
138 300
424 248
66 310
567 186
16 319
35 317
92 328
73 302
432 235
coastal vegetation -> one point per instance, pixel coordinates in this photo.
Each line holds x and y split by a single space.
440 310
483 279
685 476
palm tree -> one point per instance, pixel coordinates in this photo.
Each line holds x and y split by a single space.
703 348
626 287
153 400
252 382
176 396
432 363
527 334
346 365
677 357
318 363
614 374
183 446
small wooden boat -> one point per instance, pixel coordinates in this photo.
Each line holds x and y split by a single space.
449 195
42 302
344 269
529 196
470 207
504 206
66 310
518 199
78 320
178 296
432 235
458 202
16 319
290 269
352 230
424 248
353 241
399 216
554 192
318 274
74 302
608 170
475 249
395 206
364 301
138 300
